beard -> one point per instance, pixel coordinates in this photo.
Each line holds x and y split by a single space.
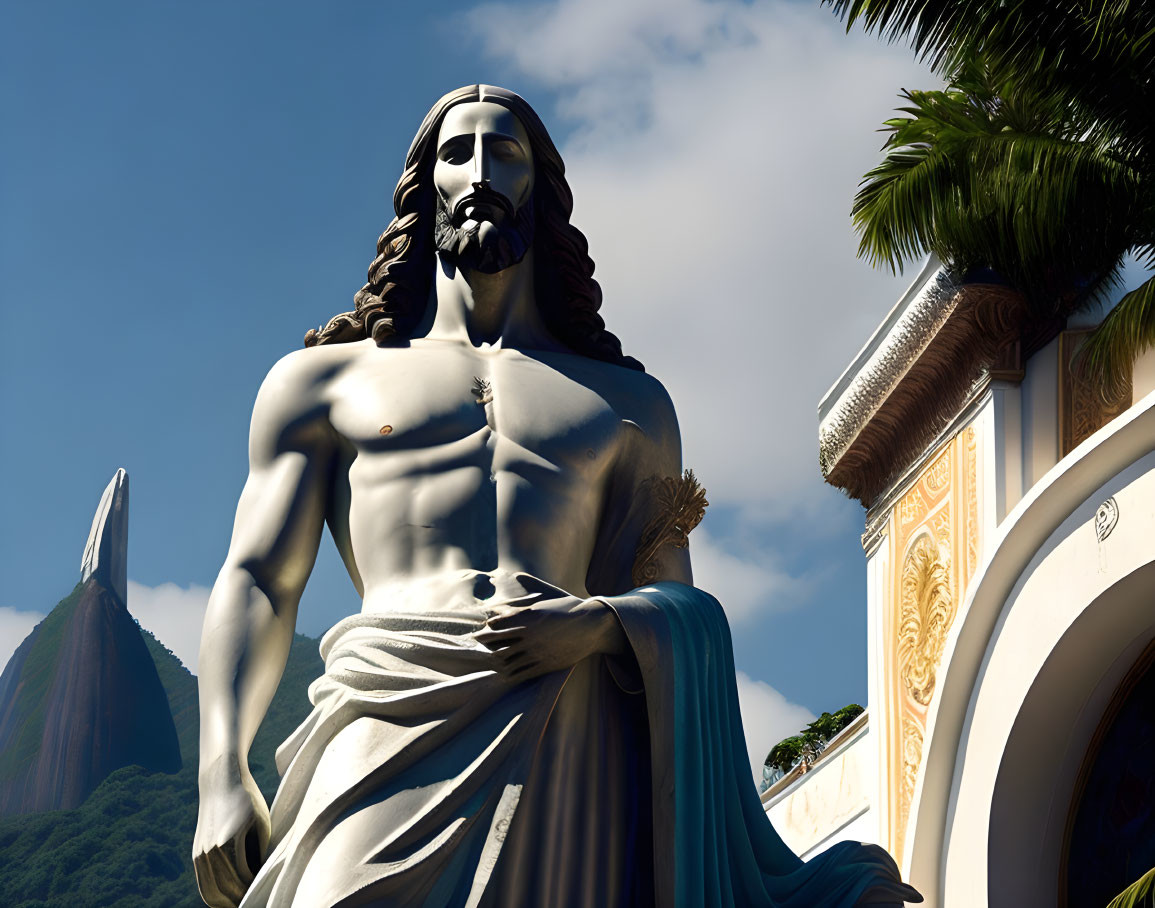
468 247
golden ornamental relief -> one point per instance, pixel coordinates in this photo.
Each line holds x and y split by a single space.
938 475
937 546
926 610
912 739
911 508
972 494
1083 407
679 505
942 528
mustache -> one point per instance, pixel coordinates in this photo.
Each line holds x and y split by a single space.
481 195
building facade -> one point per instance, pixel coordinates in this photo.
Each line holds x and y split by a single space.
1010 545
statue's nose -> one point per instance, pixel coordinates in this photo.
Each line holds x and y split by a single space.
480 163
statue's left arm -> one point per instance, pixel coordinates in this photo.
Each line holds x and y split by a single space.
706 811
650 453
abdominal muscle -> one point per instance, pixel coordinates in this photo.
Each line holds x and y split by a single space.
466 554
461 591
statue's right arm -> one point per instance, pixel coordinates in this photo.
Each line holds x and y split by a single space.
251 618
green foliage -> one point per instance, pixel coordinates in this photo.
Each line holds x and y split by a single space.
181 687
828 725
788 752
130 843
1099 53
1127 331
36 679
1140 894
1036 161
992 173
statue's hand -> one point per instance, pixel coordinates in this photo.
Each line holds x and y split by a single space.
232 836
549 630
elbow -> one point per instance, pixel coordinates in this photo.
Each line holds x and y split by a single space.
273 587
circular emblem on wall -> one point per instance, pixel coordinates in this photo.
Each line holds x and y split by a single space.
1106 516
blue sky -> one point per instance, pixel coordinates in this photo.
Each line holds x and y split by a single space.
186 188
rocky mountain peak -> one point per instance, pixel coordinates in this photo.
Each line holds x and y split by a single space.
81 696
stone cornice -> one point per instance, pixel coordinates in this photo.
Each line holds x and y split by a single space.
880 365
912 378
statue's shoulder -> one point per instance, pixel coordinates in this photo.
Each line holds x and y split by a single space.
299 383
311 368
641 399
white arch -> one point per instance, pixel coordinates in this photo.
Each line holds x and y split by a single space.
1039 629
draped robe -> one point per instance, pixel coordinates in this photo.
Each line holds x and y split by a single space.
422 778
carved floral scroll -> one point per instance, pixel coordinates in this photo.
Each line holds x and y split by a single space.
935 551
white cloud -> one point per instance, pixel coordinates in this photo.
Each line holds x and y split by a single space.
15 625
767 718
747 589
717 147
173 615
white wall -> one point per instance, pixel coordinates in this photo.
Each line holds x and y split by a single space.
1003 450
1051 618
1143 376
812 814
1040 402
877 699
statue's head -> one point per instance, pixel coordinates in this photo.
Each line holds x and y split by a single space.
483 183
483 187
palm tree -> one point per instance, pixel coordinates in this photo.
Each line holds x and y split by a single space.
1036 161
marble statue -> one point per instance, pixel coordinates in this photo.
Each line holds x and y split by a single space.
534 707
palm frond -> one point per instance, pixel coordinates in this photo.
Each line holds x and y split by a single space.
957 180
1140 894
1110 350
1101 52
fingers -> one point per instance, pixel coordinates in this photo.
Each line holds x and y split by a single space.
520 601
516 656
506 620
499 638
206 885
225 872
217 879
512 606
532 584
513 659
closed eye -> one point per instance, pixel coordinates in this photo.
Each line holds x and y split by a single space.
506 150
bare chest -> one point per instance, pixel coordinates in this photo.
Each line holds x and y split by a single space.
428 409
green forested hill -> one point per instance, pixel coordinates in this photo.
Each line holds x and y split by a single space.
130 842
37 655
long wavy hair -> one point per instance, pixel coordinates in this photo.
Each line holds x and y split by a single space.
393 301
